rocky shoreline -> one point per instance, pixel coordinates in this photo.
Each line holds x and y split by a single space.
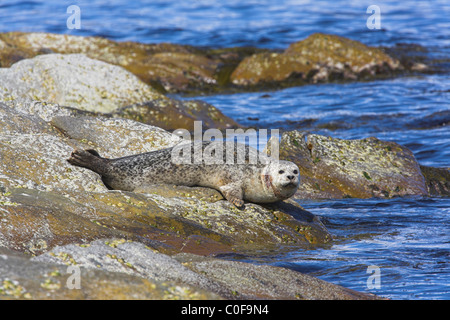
60 92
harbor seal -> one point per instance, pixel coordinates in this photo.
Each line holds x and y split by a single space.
265 181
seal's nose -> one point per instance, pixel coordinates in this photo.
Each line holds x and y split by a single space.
291 177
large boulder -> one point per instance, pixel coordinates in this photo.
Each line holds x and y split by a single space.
74 80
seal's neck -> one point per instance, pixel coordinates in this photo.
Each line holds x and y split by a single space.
267 182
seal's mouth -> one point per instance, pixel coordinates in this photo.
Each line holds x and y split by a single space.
290 185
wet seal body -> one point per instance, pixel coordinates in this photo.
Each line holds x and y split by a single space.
261 182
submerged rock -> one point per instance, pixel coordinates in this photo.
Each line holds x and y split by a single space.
336 168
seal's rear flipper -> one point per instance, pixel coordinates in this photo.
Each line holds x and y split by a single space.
93 152
87 159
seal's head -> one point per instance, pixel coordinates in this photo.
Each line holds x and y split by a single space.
282 177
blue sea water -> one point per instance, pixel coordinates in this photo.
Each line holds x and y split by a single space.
408 239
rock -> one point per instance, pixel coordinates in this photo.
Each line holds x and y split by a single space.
249 281
114 137
37 161
225 279
171 114
36 221
76 81
190 221
187 69
266 68
33 152
22 278
437 180
46 202
169 67
119 255
14 121
335 168
335 51
10 54
318 58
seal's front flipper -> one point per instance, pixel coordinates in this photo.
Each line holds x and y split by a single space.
233 193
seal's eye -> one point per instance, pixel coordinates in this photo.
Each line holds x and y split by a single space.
295 171
281 172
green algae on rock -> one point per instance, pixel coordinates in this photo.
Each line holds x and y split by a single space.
336 168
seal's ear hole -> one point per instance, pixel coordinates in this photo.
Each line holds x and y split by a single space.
281 172
295 171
